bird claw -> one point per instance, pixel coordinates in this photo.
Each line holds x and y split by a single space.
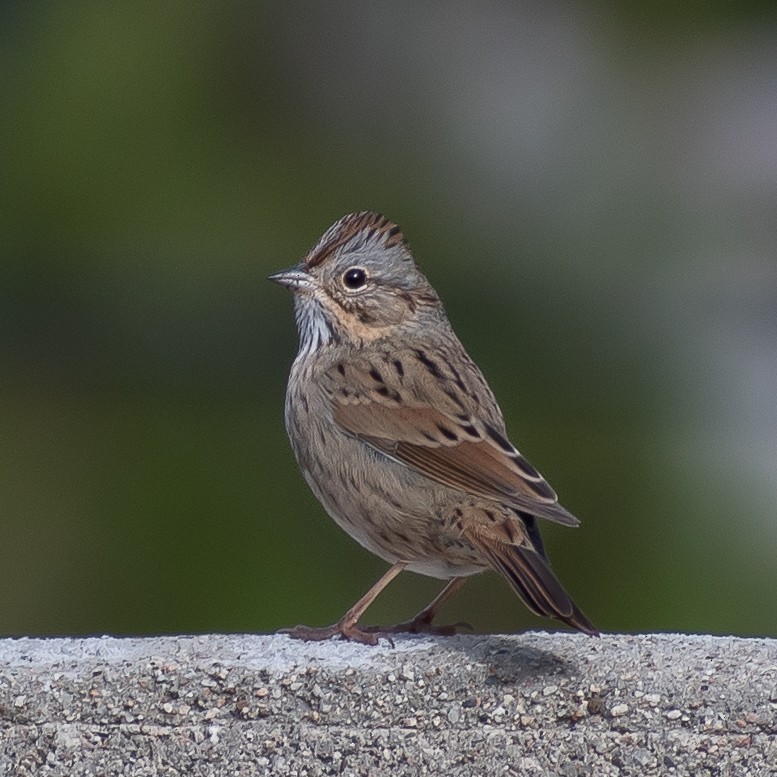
350 632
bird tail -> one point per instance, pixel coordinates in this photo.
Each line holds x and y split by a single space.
531 577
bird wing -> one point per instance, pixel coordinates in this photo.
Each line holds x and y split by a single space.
442 422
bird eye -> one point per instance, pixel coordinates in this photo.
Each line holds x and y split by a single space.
355 278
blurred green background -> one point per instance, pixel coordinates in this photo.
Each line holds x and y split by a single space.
590 188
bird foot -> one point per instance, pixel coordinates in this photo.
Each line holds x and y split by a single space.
347 631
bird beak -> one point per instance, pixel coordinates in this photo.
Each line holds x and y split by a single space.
295 278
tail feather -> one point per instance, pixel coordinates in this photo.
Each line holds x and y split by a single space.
531 577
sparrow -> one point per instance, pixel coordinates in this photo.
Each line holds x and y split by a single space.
400 438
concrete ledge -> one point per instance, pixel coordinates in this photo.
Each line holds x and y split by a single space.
536 704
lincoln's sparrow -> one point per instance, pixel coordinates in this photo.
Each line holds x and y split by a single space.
399 436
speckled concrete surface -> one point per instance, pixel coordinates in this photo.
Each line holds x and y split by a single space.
532 704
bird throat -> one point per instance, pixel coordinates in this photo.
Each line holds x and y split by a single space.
313 325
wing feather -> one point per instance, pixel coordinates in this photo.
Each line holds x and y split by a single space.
430 420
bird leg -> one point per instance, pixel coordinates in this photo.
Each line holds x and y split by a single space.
422 622
347 627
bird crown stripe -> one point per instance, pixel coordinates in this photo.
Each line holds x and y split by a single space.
375 226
